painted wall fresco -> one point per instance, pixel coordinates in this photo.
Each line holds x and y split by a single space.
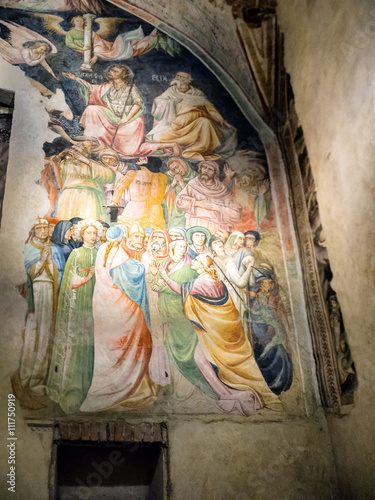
6 118
155 277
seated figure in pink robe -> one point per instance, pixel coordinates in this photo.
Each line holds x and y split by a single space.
115 113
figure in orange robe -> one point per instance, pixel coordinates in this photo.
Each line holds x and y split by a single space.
146 190
122 338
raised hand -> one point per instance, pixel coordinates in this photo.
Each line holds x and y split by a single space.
91 272
264 187
154 267
229 173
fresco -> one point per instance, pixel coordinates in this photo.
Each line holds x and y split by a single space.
155 278
6 117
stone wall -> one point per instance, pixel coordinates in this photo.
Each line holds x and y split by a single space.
329 53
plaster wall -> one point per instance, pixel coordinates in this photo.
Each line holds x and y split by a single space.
221 460
288 460
329 53
210 457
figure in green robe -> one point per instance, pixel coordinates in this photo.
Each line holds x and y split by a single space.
72 361
82 186
179 174
180 339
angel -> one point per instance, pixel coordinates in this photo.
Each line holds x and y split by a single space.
26 47
126 45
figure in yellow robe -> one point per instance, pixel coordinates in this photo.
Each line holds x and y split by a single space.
224 354
184 116
146 191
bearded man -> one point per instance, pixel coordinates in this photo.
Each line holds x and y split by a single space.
115 113
44 264
184 116
207 201
134 243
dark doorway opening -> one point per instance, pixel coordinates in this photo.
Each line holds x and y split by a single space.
110 471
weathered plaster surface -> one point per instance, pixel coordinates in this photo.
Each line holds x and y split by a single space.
289 460
329 52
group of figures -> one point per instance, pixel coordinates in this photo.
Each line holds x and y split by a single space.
147 269
113 311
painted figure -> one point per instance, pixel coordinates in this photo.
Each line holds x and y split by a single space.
52 221
134 244
198 239
122 338
252 240
61 236
26 47
75 240
238 271
179 174
115 113
103 238
126 45
157 252
148 231
50 180
219 257
44 264
110 158
82 180
255 292
177 233
183 115
222 235
235 242
73 350
180 338
251 189
146 192
207 201
223 353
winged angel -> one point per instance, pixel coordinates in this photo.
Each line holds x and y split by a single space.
126 45
26 47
